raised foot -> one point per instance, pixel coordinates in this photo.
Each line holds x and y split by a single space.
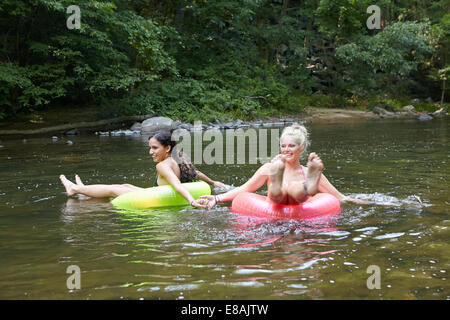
78 180
276 172
69 185
315 168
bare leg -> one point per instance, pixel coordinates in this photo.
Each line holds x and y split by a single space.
315 168
275 190
298 190
96 190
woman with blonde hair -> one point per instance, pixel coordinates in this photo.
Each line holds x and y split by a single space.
288 182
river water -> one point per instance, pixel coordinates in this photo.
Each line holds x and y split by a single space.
400 245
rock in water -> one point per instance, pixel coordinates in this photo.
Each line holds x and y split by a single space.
424 117
155 124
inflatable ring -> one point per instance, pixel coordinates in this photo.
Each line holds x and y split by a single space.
255 205
160 196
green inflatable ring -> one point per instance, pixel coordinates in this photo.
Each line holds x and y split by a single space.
161 196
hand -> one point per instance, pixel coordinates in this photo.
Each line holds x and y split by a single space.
198 204
219 184
208 201
359 201
362 201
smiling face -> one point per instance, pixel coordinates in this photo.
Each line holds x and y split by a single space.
290 148
157 150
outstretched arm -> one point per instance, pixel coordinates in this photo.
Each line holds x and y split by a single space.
209 181
326 186
253 184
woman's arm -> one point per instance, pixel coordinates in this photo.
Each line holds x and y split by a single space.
326 186
253 184
209 181
166 171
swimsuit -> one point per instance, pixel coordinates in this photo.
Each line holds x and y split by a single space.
304 176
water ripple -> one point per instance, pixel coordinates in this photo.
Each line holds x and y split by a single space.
390 235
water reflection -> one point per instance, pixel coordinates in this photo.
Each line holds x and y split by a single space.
82 205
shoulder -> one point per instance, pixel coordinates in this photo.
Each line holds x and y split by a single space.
163 165
168 164
159 167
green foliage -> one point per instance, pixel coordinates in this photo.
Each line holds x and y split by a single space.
218 59
111 54
147 39
386 60
341 18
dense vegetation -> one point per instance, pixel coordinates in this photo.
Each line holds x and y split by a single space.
215 59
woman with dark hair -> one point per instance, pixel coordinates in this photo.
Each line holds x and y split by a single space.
172 168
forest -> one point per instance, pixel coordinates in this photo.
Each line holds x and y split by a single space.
215 60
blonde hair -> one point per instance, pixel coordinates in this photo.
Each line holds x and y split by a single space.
298 132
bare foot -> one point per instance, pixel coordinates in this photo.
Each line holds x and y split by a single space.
78 180
276 172
68 185
315 168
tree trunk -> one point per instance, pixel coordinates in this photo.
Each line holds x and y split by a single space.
179 16
78 125
284 8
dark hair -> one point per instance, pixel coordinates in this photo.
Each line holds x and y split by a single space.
188 172
165 138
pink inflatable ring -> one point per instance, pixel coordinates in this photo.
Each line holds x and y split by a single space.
255 205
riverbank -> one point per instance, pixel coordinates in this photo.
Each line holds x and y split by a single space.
338 115
85 121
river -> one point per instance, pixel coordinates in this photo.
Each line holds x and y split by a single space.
400 245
